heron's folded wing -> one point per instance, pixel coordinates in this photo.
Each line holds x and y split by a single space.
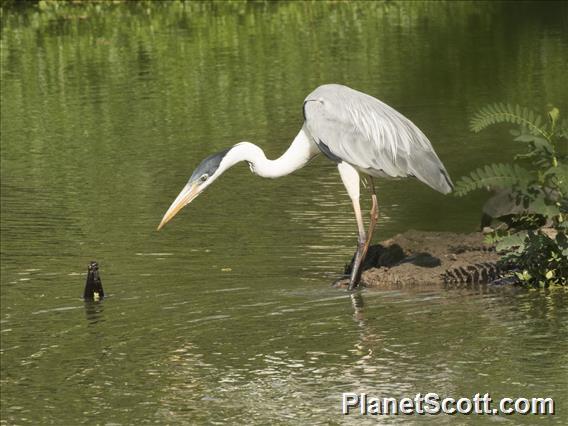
367 133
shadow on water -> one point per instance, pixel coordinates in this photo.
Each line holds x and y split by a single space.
94 311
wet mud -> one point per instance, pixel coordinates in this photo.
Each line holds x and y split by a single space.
417 258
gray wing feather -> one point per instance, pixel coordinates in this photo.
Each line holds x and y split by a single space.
371 136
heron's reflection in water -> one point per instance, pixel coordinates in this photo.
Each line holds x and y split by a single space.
368 338
94 311
358 304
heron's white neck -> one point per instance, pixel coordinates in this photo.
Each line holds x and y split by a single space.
296 156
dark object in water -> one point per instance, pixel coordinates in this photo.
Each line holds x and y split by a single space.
93 286
425 260
380 256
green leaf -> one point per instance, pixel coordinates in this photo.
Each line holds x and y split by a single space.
553 115
538 142
540 206
562 131
558 176
493 176
525 138
513 241
501 113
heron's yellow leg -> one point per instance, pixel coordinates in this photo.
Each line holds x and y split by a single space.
374 213
351 180
372 224
361 244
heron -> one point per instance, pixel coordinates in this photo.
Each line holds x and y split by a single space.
365 137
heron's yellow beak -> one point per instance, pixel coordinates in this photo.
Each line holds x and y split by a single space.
187 194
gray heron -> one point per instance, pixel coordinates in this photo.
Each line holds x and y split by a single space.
361 134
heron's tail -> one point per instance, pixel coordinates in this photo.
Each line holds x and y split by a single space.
445 186
430 170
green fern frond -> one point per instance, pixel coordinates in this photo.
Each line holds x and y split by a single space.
505 113
493 176
563 129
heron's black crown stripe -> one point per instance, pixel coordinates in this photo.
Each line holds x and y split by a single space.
327 152
209 165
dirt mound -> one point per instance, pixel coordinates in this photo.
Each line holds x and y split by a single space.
428 258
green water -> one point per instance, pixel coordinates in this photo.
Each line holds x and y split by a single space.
227 316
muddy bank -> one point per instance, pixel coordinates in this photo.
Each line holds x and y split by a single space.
429 258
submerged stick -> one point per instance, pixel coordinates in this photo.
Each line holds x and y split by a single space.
93 287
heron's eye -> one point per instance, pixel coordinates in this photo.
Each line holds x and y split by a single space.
204 177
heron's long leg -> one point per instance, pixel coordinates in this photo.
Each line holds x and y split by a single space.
361 248
372 222
374 211
351 180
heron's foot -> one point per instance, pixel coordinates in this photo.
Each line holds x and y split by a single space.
341 282
344 282
355 285
359 286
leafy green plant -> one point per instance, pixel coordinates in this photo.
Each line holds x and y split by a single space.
541 260
535 188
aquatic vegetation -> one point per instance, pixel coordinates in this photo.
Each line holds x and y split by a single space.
531 194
